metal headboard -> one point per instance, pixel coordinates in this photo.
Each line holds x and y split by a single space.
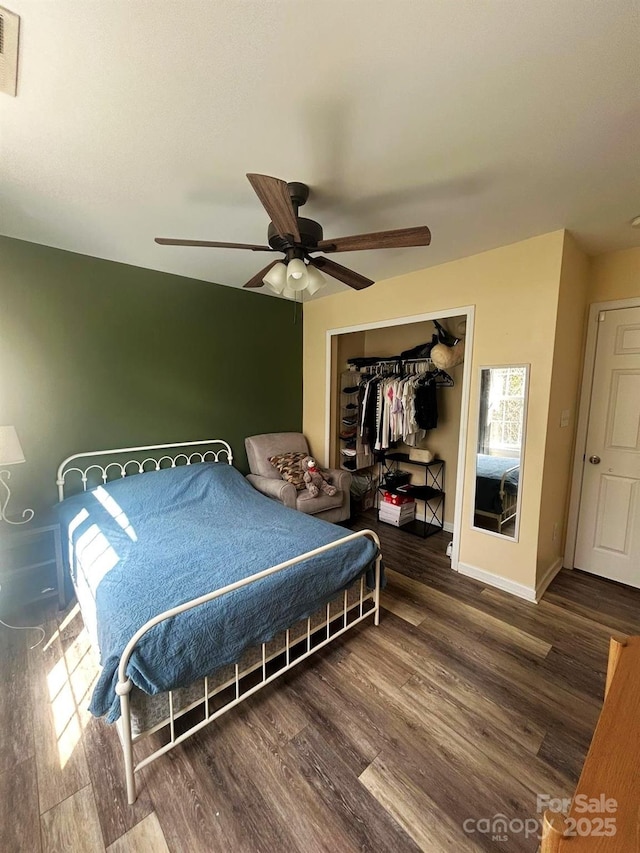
120 468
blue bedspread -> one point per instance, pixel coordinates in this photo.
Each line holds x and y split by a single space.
149 542
489 471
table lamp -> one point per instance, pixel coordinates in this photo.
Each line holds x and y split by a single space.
10 454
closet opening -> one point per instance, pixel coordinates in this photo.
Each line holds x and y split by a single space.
397 418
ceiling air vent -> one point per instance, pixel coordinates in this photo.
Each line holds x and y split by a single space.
9 29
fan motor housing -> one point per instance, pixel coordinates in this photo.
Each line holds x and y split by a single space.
310 235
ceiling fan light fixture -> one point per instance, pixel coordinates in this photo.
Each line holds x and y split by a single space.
296 237
296 274
296 268
315 280
276 278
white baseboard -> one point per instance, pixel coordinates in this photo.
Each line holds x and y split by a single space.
548 576
519 589
447 527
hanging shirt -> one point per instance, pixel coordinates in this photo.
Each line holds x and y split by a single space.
426 402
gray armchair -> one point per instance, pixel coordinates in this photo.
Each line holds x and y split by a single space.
266 479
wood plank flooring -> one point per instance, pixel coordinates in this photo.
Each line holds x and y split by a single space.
463 704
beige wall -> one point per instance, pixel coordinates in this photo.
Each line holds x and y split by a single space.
568 349
392 340
615 275
515 292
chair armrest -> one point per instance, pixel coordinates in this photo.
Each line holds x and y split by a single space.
280 490
340 478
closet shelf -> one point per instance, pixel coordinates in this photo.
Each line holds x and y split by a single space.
421 528
420 493
350 410
431 493
404 457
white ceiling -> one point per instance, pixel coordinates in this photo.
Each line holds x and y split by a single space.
487 121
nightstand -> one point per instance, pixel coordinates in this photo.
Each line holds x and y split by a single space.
31 567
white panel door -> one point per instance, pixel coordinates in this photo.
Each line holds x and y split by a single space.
609 524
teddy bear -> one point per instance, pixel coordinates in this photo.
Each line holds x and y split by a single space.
315 479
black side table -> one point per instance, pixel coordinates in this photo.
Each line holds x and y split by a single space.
31 566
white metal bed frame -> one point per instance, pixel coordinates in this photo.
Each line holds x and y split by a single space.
293 650
508 500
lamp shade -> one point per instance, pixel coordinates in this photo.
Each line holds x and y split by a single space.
296 274
276 278
315 280
296 268
10 447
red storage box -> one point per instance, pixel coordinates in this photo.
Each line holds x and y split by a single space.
396 500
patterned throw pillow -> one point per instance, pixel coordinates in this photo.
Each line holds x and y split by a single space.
289 465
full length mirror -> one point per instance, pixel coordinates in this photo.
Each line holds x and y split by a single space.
500 448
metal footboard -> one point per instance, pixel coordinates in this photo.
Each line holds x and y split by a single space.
83 470
314 639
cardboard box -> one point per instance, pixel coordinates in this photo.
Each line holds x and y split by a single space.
397 514
396 522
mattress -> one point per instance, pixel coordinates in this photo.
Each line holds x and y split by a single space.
489 472
144 544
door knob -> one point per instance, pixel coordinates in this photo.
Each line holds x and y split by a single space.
595 460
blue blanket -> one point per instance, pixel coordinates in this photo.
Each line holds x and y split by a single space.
489 471
144 544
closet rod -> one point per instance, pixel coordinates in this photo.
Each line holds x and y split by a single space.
400 363
397 360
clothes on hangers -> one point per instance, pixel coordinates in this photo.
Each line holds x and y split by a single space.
396 401
413 430
426 402
368 412
397 408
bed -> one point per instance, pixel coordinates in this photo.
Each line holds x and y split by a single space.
497 480
197 590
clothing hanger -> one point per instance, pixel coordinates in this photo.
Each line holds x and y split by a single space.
443 380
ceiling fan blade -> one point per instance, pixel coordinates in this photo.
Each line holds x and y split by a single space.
169 241
347 276
400 239
257 281
275 198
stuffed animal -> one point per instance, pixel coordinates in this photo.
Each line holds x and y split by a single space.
315 479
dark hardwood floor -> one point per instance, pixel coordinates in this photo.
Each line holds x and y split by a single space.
465 703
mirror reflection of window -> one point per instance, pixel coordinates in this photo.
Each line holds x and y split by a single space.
502 407
503 397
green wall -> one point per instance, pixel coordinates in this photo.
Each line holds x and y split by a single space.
96 354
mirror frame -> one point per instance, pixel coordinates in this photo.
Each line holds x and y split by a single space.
525 412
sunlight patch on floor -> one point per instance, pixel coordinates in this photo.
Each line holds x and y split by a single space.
70 683
68 619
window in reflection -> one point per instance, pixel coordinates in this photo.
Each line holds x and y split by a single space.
503 399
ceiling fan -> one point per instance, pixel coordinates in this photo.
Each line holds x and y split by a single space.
298 238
